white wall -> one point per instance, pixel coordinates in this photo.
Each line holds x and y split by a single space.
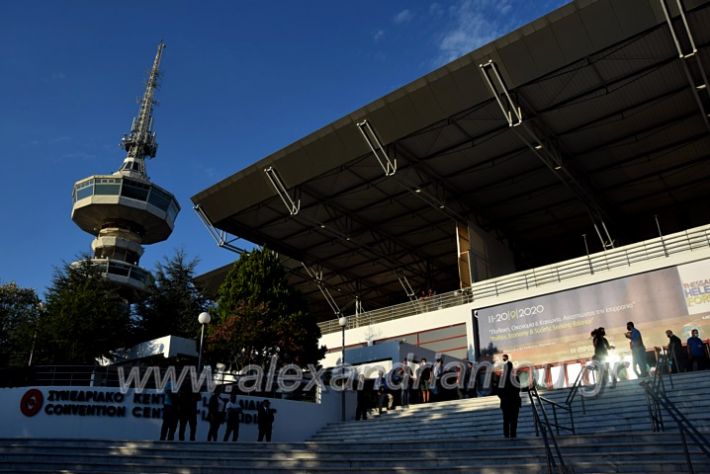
294 421
398 327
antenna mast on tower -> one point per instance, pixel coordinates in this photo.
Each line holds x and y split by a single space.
140 142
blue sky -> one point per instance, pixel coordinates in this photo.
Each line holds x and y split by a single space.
241 79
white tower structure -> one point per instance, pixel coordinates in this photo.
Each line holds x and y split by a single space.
125 210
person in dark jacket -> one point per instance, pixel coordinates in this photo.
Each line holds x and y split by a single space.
467 390
265 420
509 392
363 399
697 354
187 410
384 398
233 412
601 352
167 429
675 353
215 413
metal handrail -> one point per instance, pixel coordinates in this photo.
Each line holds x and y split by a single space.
626 256
555 406
555 460
686 428
574 391
657 386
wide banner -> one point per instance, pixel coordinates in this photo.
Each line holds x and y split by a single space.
109 413
556 327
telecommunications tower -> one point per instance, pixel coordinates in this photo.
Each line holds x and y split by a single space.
125 210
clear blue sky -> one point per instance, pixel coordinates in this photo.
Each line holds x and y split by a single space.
241 80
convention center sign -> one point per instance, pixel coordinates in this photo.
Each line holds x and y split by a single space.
556 327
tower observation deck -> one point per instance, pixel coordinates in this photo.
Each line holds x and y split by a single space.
125 210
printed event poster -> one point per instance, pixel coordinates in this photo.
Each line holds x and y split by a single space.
556 327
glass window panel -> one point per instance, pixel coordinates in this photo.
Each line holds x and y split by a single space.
443 346
134 190
159 199
172 210
435 334
110 189
140 275
458 353
116 268
100 266
408 338
84 192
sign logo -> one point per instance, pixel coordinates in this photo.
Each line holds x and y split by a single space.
31 402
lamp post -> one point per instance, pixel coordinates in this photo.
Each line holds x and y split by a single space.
203 318
40 310
342 321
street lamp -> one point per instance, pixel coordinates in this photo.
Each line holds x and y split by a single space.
342 321
40 310
203 318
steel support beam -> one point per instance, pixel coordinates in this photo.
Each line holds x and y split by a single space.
538 141
219 236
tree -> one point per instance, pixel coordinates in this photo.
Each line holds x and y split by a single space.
85 317
19 315
173 301
259 315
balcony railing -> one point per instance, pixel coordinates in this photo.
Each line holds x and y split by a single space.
626 256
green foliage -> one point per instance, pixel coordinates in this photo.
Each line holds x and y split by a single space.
85 317
173 301
19 315
259 315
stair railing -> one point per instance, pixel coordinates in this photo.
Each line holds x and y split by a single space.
543 426
575 390
686 428
657 386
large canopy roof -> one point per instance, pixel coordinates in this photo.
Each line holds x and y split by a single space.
612 128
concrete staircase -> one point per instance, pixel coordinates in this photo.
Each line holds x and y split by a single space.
621 409
458 436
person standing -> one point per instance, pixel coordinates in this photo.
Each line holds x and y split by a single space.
601 352
167 429
468 390
638 350
215 413
697 355
406 377
265 420
234 411
509 393
362 399
424 379
384 398
187 411
675 353
436 373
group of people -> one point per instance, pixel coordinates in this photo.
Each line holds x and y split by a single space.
694 357
413 382
220 410
181 407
